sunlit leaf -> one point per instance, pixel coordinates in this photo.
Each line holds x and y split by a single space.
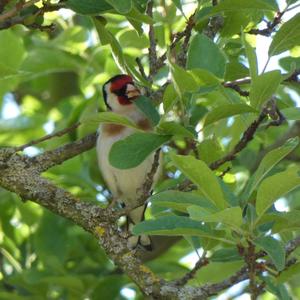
287 36
108 117
268 162
276 186
225 111
200 174
203 53
263 87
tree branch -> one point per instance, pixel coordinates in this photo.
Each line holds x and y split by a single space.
21 176
16 9
270 25
57 156
48 137
152 47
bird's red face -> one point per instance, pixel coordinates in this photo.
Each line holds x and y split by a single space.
120 90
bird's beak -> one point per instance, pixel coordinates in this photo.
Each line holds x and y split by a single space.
132 92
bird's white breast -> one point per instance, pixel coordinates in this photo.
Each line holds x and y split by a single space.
125 185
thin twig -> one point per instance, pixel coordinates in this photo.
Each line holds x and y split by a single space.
246 138
177 38
152 47
237 88
15 10
270 25
141 68
181 59
251 263
203 261
48 137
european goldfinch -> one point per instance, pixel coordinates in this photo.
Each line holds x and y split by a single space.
119 92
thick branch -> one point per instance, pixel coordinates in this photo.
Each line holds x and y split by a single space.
57 156
21 176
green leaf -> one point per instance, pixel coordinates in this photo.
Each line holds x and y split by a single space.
131 39
135 15
123 6
240 5
175 129
274 249
205 78
286 221
251 56
287 36
292 271
268 162
133 150
145 105
88 7
183 80
202 176
180 200
291 113
263 87
276 186
106 37
12 54
172 225
108 117
203 53
43 61
226 255
225 111
169 98
231 217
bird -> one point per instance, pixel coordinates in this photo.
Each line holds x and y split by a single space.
119 93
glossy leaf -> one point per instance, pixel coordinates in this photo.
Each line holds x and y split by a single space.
225 255
88 7
183 80
122 7
291 113
239 5
225 111
180 200
263 87
203 53
199 173
274 249
174 129
276 186
231 217
12 55
287 36
251 56
292 271
145 105
110 118
171 225
270 160
133 150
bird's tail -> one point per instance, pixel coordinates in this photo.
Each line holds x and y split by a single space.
136 216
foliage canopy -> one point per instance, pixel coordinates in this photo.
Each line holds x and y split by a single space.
228 126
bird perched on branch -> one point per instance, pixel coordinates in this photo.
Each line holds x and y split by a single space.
119 93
